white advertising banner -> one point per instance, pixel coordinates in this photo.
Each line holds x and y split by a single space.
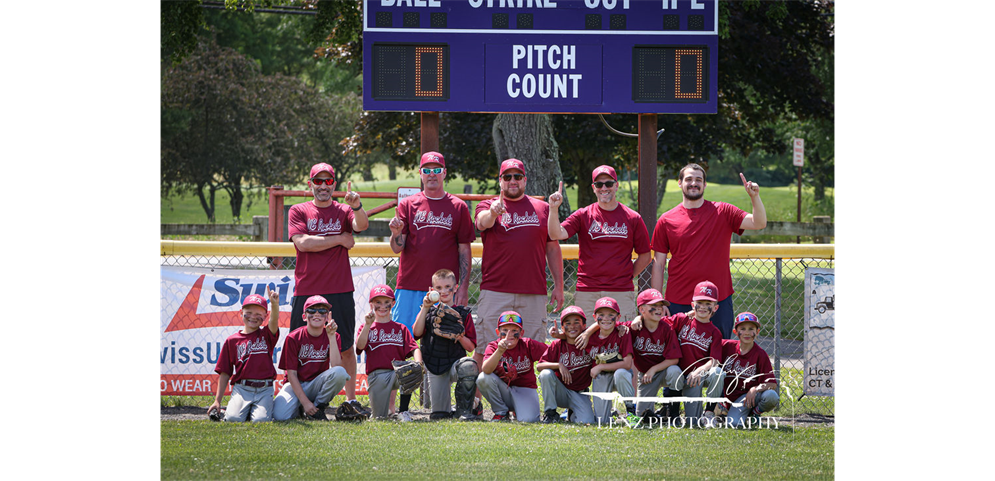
820 331
201 307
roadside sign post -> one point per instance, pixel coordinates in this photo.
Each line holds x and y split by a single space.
798 159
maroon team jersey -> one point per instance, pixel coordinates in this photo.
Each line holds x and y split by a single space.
248 356
433 230
306 354
743 372
327 271
514 259
698 243
652 348
700 341
388 341
578 362
523 357
607 239
615 342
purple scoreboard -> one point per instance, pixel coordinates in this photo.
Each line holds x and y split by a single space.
541 56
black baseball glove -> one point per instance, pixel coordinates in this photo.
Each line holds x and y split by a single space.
446 321
348 412
409 375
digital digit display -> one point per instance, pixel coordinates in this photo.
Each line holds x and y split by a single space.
666 73
410 71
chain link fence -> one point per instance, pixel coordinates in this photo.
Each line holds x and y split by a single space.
773 289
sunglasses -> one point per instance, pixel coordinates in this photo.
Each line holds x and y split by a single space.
747 317
609 184
328 181
320 310
508 177
510 318
435 170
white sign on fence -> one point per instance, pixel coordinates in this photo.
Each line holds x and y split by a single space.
201 307
820 332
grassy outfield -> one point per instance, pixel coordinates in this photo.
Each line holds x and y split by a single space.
482 450
780 202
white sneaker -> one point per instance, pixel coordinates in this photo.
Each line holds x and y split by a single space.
708 420
404 417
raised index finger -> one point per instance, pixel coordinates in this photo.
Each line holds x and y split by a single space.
743 178
561 187
349 185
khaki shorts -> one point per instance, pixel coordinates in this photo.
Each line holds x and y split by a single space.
532 307
626 302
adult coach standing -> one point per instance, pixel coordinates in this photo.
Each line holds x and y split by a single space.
697 233
609 233
517 249
431 230
321 231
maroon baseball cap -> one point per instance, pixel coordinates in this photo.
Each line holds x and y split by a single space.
603 169
432 158
607 302
321 167
255 300
512 164
650 296
573 311
316 300
706 291
746 317
381 290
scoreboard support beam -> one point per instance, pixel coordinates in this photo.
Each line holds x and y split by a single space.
647 169
429 132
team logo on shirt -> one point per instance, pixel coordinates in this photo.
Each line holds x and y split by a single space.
515 220
320 227
308 353
523 364
647 346
600 230
380 338
740 370
701 340
246 349
573 360
426 218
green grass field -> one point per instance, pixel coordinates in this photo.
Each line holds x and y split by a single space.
481 450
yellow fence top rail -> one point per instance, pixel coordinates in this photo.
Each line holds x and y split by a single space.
382 249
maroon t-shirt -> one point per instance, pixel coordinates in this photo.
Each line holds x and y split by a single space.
388 341
744 371
700 341
607 239
577 361
306 354
523 358
652 348
248 356
327 271
433 230
514 259
613 343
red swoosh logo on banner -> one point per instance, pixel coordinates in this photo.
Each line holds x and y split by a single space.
187 317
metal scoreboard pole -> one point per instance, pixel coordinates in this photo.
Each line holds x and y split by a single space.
544 56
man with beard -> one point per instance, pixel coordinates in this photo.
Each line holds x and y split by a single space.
608 233
321 231
517 249
696 233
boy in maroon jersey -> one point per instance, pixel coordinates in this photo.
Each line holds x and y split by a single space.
750 378
701 350
312 365
384 341
507 377
246 360
565 371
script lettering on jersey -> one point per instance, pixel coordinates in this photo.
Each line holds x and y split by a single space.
380 338
320 227
515 220
309 353
426 218
248 348
575 360
604 349
647 346
600 230
701 340
521 363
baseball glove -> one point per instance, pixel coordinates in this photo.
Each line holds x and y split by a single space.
217 415
409 375
446 321
506 372
607 357
348 412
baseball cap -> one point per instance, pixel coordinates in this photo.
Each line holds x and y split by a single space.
315 300
706 291
255 299
512 164
746 317
432 158
321 167
650 296
607 302
510 318
381 290
573 311
603 169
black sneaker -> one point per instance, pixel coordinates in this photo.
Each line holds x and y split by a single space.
436 415
551 417
320 415
478 409
501 417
